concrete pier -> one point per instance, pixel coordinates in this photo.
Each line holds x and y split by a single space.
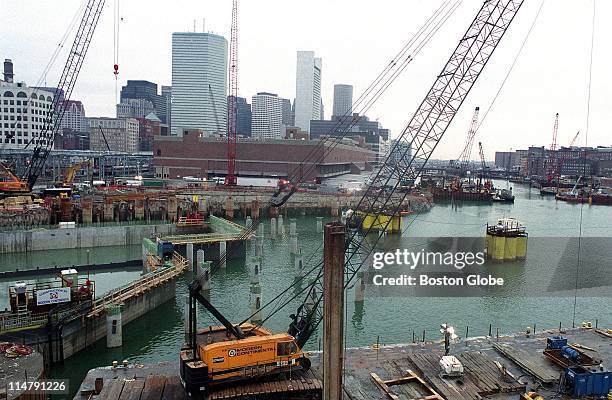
273 227
199 260
222 254
281 226
249 223
255 302
190 256
359 288
333 310
255 269
114 335
205 275
319 224
298 265
259 246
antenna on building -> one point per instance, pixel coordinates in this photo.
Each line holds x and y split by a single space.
194 26
203 25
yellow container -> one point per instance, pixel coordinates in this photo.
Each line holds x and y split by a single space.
396 224
499 246
521 247
510 249
382 221
489 245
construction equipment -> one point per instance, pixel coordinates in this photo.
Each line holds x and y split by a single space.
71 172
217 357
464 158
230 179
484 181
219 354
551 160
70 73
10 184
531 396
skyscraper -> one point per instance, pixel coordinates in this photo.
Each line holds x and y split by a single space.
145 90
307 89
199 78
267 116
243 116
343 100
166 92
288 119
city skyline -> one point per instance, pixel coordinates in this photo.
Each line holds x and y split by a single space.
522 114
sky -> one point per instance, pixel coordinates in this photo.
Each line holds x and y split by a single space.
356 40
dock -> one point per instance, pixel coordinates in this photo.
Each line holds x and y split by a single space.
499 368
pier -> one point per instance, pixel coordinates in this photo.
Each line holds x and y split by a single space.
407 371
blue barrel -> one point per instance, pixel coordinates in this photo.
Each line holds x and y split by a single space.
570 353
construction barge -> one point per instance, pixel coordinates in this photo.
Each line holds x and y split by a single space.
493 367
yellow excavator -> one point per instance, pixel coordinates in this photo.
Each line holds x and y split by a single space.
10 184
228 353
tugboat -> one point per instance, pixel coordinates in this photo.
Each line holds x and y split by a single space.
503 196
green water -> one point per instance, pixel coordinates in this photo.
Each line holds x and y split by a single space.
158 335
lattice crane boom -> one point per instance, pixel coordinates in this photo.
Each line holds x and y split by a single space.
423 133
551 167
232 104
70 73
466 153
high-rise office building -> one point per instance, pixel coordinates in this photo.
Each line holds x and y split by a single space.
199 79
267 116
145 90
343 100
134 108
307 89
74 117
288 119
243 116
166 92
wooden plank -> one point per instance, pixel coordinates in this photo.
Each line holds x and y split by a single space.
132 389
527 362
112 389
383 386
153 388
173 390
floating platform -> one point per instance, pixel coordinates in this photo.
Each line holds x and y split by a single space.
391 223
160 381
506 241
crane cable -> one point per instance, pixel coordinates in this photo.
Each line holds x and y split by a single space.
116 23
586 143
533 23
375 90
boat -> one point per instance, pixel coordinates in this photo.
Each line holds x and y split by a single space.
548 191
602 196
503 196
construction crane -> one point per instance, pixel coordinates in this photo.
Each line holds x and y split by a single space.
10 184
484 177
383 197
230 179
551 164
70 73
464 158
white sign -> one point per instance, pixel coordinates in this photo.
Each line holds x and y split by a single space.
52 296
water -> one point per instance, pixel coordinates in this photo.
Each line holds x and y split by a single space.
159 335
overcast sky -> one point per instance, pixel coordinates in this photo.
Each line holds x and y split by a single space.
356 39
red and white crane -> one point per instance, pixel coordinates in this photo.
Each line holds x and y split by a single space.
232 99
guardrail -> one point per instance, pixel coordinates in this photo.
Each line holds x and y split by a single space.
137 287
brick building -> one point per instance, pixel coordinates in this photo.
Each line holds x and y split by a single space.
194 155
